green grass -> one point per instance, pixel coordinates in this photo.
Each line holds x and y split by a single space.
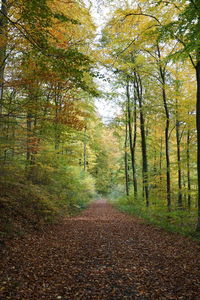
177 220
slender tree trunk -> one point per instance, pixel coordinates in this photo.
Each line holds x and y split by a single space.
3 46
188 169
198 137
167 123
167 150
161 155
31 122
29 134
131 144
13 140
180 198
155 171
57 111
126 159
134 145
143 138
6 136
85 150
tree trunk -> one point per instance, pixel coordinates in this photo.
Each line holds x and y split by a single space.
161 155
131 144
180 198
198 138
57 112
29 134
126 159
134 145
85 151
167 123
143 139
167 151
155 170
188 170
3 46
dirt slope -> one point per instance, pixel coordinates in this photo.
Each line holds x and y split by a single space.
101 254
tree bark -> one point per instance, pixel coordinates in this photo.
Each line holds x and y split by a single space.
161 155
29 133
143 139
167 123
85 151
57 102
126 159
132 144
198 138
180 198
188 170
3 47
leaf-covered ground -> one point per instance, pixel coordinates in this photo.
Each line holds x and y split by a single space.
101 254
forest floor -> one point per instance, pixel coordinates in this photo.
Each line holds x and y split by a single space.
100 254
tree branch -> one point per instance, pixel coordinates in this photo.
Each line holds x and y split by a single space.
143 14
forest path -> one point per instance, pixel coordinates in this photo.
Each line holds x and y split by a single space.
101 254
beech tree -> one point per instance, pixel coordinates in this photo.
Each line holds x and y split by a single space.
133 42
186 31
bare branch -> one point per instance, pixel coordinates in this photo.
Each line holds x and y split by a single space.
143 14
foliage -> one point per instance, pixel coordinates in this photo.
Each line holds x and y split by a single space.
50 132
182 221
49 194
148 46
46 84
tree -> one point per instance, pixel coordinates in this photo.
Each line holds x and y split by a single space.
186 31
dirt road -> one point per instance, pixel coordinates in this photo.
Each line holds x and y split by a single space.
101 254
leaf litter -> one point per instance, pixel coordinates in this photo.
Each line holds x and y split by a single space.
100 254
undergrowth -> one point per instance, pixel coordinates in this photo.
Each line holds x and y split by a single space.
33 197
177 220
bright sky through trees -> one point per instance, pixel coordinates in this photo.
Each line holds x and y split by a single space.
101 12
